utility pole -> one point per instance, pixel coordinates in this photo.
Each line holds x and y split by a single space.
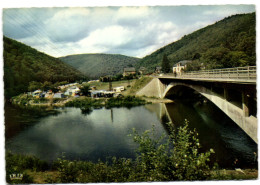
110 83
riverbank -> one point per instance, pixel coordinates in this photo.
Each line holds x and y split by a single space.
157 100
26 100
81 102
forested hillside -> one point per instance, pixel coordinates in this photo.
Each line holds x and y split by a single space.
96 65
227 43
23 64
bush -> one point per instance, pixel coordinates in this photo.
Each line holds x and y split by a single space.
176 159
85 103
40 100
56 100
127 101
17 164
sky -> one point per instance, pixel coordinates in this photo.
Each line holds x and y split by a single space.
128 30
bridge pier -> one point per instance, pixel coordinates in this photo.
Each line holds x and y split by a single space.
226 94
245 104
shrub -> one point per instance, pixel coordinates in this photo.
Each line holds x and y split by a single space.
176 159
127 101
85 103
68 170
17 164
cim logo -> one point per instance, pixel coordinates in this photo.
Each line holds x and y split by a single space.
18 176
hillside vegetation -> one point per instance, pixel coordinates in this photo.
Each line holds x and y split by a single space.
23 64
227 43
96 65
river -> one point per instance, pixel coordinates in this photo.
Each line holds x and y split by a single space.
103 133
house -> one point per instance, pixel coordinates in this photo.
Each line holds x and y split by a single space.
72 91
142 70
42 95
158 70
49 94
128 71
180 66
37 93
97 94
58 95
109 94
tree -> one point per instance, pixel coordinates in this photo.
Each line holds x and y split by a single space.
47 85
34 86
195 65
85 90
165 64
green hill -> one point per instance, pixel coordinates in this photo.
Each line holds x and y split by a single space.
23 64
96 65
227 43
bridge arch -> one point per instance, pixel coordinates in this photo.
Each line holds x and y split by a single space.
177 88
247 123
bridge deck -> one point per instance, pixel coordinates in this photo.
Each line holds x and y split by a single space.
238 81
239 75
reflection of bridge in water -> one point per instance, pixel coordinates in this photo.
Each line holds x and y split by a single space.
231 90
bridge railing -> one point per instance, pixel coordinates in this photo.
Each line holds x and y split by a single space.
248 72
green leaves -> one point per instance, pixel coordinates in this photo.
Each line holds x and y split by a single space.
176 159
165 64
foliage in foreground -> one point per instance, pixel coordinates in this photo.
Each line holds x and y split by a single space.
157 160
17 164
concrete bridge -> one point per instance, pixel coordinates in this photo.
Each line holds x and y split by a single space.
231 90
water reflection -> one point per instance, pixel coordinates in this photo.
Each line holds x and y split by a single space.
99 134
18 118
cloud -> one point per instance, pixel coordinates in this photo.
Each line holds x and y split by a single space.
133 16
68 25
111 36
223 11
132 31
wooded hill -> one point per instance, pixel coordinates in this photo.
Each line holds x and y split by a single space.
96 65
23 64
227 43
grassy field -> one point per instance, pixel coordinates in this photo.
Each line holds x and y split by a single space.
139 84
105 85
131 86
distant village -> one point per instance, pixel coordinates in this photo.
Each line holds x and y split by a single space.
74 89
